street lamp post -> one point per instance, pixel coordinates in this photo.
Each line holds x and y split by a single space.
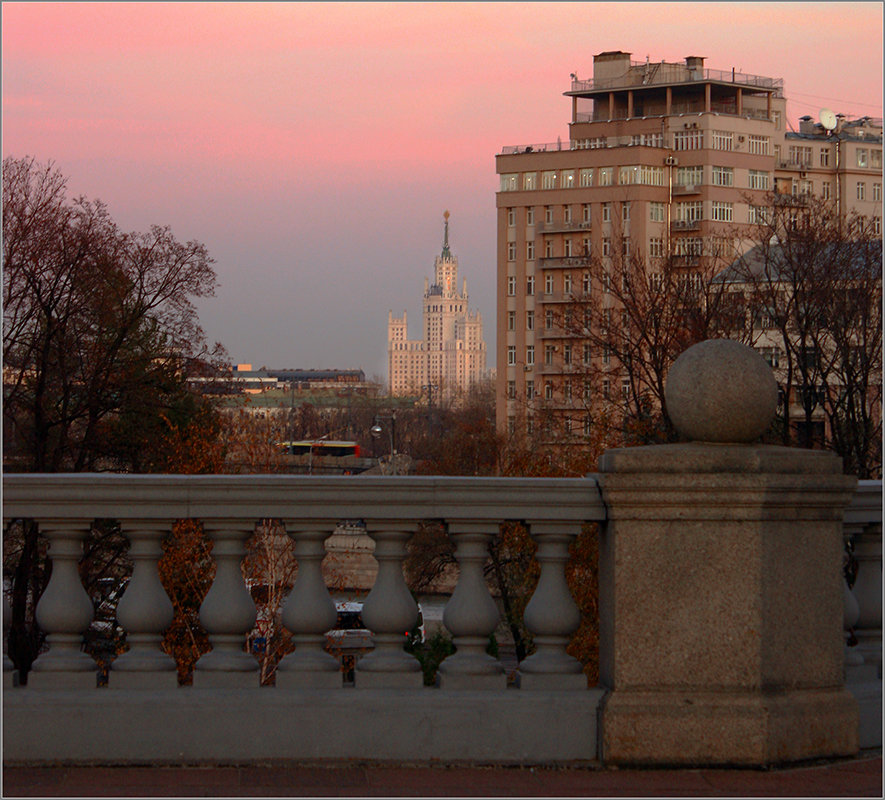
377 429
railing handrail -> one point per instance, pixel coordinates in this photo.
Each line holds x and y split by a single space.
674 74
126 496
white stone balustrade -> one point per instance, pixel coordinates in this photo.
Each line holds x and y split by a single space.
397 719
64 611
227 612
144 611
551 615
471 615
308 613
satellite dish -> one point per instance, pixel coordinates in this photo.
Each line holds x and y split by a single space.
828 119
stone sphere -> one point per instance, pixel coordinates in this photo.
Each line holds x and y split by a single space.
721 391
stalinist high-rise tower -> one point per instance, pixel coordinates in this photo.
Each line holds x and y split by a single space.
451 353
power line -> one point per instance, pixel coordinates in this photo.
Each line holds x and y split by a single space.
837 100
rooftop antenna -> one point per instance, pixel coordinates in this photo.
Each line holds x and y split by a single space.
828 119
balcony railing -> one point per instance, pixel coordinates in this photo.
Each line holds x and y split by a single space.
142 716
675 74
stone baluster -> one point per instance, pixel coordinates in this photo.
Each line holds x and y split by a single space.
308 613
144 611
868 592
471 615
390 613
850 614
64 612
9 677
228 612
551 615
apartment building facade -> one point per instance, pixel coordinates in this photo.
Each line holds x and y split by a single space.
663 160
451 354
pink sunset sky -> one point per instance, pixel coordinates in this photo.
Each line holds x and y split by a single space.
314 147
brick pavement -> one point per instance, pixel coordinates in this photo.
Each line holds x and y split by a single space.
858 777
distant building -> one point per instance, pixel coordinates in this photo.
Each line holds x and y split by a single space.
451 355
255 381
663 161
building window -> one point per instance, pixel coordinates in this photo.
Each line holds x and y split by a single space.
567 283
529 320
799 155
530 181
723 176
530 216
511 425
511 285
509 182
656 212
877 192
861 190
606 212
511 390
567 248
722 212
825 156
690 176
877 226
529 390
585 177
723 140
548 179
548 355
511 355
530 355
758 179
862 157
511 251
530 425
825 190
625 212
567 354
586 358
689 246
690 212
548 319
628 175
585 283
548 391
548 248
606 246
585 212
606 176
548 283
759 145
625 389
625 246
606 283
688 140
530 285
530 251
567 213
876 159
568 179
511 320
656 247
548 215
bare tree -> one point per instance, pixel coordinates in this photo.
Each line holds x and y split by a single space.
811 282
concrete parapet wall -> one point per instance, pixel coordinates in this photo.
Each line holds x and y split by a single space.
192 725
